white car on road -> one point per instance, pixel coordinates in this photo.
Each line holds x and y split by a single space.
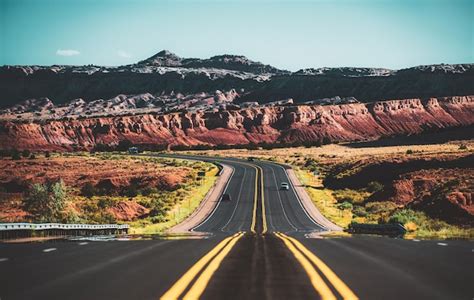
284 186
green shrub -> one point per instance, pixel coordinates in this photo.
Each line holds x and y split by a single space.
405 215
157 207
45 202
345 205
462 147
349 195
105 202
47 154
32 156
90 207
409 151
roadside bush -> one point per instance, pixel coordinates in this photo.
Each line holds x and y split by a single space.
405 216
32 156
107 217
45 202
47 154
158 207
311 165
345 205
351 196
71 216
462 147
409 151
158 219
105 202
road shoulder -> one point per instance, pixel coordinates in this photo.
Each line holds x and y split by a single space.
308 204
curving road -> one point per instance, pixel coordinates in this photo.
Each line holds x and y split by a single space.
256 250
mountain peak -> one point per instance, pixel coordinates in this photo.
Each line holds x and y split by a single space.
164 53
164 58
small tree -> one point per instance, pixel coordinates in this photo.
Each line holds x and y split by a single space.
46 201
345 205
47 154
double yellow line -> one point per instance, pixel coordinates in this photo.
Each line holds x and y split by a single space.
206 267
311 263
258 170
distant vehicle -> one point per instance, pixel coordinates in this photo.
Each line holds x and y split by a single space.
284 186
225 197
133 150
251 158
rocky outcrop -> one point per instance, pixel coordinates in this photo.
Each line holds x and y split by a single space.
277 124
128 211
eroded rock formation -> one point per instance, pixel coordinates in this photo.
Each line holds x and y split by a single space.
278 124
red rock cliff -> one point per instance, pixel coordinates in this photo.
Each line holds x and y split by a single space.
349 122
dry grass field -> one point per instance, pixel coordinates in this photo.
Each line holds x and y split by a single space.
149 193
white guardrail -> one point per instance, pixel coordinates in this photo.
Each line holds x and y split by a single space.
45 226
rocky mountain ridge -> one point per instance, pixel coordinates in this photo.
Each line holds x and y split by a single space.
272 124
166 73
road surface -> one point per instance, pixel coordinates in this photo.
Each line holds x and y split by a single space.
256 249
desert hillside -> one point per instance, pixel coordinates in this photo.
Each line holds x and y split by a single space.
303 124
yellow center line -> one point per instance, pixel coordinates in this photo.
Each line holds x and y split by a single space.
255 200
264 216
201 283
178 288
338 284
254 214
318 283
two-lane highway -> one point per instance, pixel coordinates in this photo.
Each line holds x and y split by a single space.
257 249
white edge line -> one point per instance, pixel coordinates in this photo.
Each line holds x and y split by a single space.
218 203
49 250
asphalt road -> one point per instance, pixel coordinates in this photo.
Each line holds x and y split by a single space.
244 257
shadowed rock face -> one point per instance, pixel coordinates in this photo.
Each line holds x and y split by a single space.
286 124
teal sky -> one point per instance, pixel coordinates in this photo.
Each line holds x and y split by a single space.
286 34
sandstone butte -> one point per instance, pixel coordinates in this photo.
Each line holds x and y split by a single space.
285 124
